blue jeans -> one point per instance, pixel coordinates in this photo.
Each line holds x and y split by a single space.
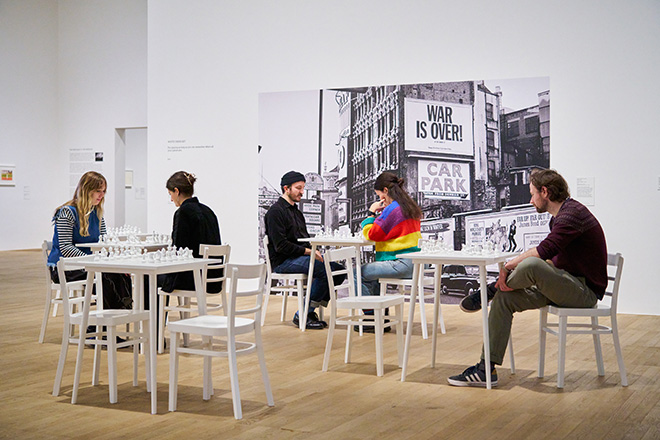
320 292
371 272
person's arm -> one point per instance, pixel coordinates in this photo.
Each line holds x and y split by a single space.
511 264
64 225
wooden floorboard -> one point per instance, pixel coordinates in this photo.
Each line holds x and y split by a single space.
347 402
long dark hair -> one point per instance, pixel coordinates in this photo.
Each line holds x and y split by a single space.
396 190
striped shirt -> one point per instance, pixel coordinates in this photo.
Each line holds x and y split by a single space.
393 232
67 234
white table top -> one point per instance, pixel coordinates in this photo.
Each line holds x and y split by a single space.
337 241
459 257
135 264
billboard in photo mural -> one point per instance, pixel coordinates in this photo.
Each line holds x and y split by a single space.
464 148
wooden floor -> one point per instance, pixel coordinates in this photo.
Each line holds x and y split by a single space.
348 402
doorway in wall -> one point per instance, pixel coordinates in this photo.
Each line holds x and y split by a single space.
131 177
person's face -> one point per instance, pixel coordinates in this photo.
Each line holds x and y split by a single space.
384 196
97 196
538 198
295 191
175 197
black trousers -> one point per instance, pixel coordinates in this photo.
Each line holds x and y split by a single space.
116 287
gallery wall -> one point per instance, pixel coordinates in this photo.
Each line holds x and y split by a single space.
208 61
28 122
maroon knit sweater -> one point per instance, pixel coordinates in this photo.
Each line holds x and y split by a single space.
576 243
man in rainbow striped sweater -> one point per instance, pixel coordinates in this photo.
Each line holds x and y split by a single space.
394 224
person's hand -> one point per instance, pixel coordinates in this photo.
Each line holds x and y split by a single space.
501 281
377 206
318 256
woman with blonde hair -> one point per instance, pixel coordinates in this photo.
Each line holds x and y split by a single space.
79 221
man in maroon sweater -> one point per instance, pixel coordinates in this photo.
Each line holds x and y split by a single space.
568 268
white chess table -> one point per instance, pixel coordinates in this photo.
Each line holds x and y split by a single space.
136 266
480 259
142 244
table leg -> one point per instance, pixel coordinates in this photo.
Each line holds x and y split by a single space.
153 301
436 307
358 270
310 278
484 314
417 269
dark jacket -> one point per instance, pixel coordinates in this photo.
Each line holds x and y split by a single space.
285 224
194 224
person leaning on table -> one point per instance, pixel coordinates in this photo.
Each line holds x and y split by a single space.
568 268
394 224
79 221
194 224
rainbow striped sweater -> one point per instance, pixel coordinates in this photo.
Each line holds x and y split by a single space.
393 232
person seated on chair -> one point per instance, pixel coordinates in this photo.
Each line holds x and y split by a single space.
285 224
194 224
394 224
79 221
568 269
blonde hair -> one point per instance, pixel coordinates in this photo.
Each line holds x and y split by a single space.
90 182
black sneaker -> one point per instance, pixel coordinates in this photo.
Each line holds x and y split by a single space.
371 328
312 316
472 302
311 325
473 376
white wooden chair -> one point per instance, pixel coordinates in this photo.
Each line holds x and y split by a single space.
187 299
54 291
226 328
563 328
110 319
291 283
355 304
430 278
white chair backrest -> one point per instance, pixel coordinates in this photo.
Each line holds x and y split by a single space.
265 242
614 270
46 247
220 252
245 280
346 256
61 272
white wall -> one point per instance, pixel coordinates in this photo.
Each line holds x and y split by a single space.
102 80
208 60
28 122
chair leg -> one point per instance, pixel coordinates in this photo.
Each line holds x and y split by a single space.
398 309
331 333
44 321
96 368
561 358
422 309
349 340
185 302
301 306
262 365
161 323
619 353
174 369
597 347
112 363
144 332
135 356
61 361
206 375
233 377
79 361
58 295
378 330
511 357
543 322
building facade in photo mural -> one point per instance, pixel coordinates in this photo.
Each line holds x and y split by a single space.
465 149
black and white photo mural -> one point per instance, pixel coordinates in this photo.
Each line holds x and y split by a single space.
464 148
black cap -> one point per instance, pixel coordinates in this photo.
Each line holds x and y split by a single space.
292 177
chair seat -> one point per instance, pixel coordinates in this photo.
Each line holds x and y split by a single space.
597 310
211 325
369 302
111 317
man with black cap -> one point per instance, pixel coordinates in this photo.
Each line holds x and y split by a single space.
285 224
